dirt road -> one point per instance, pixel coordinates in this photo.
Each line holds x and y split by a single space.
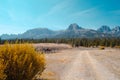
75 64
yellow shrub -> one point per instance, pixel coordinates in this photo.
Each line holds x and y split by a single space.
2 68
117 47
21 61
101 47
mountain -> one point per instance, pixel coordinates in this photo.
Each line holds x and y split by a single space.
74 27
104 29
32 34
116 31
6 36
38 33
73 31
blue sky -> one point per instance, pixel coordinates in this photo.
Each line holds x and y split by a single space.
17 16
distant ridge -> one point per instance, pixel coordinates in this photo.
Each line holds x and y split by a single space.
73 31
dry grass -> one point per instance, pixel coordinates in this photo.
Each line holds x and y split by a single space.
53 45
101 47
20 62
117 47
2 68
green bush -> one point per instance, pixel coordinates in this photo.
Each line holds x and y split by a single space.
20 62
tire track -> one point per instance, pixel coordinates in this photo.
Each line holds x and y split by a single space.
71 73
85 67
77 69
101 72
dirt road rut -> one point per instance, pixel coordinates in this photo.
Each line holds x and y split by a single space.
85 67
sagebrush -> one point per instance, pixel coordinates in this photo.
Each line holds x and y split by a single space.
20 62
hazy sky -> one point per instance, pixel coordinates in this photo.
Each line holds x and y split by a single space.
17 16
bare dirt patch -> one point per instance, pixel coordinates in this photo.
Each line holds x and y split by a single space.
109 58
83 64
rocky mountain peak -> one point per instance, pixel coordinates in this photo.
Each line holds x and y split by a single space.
104 29
74 26
116 29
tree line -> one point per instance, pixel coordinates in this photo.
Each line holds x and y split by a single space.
75 42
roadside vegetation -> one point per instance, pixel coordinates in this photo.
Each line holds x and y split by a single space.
101 47
20 62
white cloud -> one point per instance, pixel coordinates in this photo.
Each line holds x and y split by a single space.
84 12
59 7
